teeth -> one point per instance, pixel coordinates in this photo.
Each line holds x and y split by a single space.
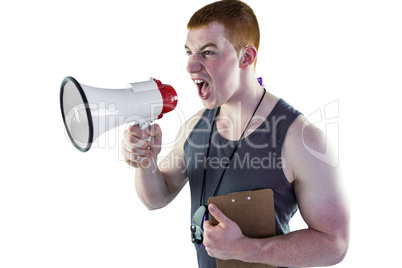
200 82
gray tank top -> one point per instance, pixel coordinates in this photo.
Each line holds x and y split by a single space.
256 164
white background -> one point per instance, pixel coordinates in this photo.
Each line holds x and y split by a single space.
63 208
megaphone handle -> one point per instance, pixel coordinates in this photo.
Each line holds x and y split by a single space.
144 126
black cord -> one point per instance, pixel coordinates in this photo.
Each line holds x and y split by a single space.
206 160
231 156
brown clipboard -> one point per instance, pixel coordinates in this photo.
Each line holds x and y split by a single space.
254 212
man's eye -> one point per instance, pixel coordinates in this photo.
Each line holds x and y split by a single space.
207 52
188 52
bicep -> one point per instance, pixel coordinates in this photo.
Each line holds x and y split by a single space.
322 200
318 187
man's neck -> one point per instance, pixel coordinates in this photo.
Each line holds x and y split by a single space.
235 114
244 100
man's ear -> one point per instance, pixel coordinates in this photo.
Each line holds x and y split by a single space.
247 56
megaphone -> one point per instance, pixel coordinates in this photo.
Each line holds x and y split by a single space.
87 110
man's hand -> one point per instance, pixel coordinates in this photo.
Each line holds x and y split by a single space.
222 240
137 150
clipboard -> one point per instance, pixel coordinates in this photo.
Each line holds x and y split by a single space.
254 212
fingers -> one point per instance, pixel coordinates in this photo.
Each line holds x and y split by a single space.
137 151
154 130
218 215
132 141
136 131
208 227
156 133
133 153
135 148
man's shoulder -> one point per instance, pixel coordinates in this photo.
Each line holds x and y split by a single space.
306 146
187 128
190 123
303 134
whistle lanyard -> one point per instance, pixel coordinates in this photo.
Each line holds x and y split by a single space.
202 198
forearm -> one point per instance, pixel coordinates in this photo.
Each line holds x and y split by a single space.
151 186
304 248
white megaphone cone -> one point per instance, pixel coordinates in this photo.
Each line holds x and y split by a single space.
86 110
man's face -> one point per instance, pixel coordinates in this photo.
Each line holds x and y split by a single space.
213 65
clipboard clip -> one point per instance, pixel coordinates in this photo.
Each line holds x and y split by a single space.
197 226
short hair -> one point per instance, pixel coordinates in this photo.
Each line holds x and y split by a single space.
239 20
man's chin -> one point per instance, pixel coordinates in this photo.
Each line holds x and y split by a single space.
210 105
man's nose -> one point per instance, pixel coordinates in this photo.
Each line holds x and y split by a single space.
193 64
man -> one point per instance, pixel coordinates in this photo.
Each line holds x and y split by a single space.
218 150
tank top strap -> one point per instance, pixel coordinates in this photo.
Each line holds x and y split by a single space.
279 121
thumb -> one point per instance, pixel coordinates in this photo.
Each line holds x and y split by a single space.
155 132
218 214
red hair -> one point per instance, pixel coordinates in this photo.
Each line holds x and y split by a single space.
239 20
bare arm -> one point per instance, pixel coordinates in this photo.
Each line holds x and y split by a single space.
323 206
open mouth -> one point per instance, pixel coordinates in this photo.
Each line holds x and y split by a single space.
203 88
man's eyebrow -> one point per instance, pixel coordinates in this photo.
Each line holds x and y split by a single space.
204 46
208 45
